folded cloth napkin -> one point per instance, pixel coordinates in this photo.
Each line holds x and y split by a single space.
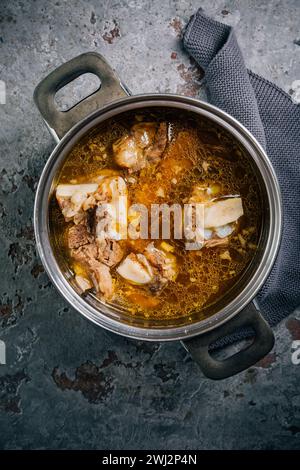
269 113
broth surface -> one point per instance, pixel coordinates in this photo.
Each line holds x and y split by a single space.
198 153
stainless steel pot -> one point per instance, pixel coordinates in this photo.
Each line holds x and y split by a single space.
237 309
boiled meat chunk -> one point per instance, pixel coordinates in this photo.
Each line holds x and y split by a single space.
109 252
145 143
87 255
102 278
78 235
71 198
128 154
156 149
99 212
111 216
144 133
154 268
99 272
164 262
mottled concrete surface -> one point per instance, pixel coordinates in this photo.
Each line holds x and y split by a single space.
67 383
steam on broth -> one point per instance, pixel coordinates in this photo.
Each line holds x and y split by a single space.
153 157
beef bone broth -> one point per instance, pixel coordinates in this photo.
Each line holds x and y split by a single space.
156 156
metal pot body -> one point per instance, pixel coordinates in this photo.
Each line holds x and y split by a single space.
68 128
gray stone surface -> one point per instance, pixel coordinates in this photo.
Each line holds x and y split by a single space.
67 383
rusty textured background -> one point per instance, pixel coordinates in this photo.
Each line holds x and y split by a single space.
67 383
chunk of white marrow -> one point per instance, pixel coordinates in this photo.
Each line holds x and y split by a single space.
68 190
136 269
222 212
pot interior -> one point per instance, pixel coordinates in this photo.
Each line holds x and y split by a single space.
235 149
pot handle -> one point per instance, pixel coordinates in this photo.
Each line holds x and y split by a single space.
217 369
111 89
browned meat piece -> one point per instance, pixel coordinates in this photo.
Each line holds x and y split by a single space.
109 252
155 151
78 235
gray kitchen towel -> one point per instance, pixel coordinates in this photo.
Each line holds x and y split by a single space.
269 113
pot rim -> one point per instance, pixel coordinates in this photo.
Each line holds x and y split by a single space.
108 319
